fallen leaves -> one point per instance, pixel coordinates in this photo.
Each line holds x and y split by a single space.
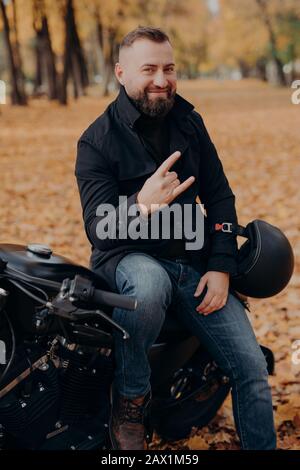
198 443
255 129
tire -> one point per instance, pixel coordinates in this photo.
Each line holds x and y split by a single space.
197 393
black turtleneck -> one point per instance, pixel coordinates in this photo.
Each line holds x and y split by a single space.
154 133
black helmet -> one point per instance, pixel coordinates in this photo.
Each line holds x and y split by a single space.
265 261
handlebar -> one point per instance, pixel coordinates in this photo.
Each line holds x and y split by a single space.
81 288
113 300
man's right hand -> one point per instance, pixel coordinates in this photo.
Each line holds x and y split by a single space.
162 187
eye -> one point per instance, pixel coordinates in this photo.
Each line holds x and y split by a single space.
148 69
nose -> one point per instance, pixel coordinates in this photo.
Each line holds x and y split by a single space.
160 79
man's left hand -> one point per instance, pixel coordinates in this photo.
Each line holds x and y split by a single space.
217 291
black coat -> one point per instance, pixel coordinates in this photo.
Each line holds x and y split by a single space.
112 161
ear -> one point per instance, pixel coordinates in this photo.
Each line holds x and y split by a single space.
119 73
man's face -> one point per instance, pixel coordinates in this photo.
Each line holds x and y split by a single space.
147 71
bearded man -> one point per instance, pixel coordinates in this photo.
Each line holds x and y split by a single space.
151 146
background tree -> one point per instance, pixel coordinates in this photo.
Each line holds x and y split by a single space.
112 21
74 60
46 75
255 34
58 44
266 17
18 95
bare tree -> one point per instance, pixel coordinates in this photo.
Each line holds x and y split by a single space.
46 74
17 51
108 42
108 46
18 95
74 61
262 5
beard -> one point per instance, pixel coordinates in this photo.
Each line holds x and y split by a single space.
158 107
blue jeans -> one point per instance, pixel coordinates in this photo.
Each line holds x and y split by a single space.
227 335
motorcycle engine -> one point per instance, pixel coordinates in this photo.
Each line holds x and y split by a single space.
55 394
56 399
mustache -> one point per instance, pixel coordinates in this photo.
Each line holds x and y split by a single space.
168 88
169 91
159 89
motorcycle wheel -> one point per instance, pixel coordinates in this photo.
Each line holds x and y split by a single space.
196 394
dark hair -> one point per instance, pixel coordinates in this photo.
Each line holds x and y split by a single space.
144 32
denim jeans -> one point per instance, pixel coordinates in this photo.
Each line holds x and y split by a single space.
226 333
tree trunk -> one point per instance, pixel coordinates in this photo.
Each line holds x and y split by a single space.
244 68
18 95
38 80
45 58
109 55
74 61
103 66
77 48
17 53
66 71
107 39
272 38
49 61
99 35
260 69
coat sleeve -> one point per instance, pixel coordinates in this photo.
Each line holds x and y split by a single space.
98 189
219 203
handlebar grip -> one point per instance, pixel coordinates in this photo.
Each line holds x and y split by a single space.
114 300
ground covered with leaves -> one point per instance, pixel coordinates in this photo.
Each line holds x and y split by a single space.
256 130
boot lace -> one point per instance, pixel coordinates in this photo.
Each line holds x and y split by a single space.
132 412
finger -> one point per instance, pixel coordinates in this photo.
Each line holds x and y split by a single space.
166 165
206 301
213 307
171 174
170 179
209 311
175 183
184 186
214 297
170 184
200 287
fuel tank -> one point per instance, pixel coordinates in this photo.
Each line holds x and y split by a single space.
37 265
39 261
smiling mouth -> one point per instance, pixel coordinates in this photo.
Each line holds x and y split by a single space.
157 92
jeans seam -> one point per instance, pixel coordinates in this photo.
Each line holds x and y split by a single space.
243 440
239 411
123 342
123 352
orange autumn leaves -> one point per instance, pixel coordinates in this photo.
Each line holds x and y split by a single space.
255 129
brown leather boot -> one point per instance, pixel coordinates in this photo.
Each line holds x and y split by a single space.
126 427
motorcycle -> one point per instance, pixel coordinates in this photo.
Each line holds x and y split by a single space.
57 359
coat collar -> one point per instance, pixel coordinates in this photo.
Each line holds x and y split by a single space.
130 114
